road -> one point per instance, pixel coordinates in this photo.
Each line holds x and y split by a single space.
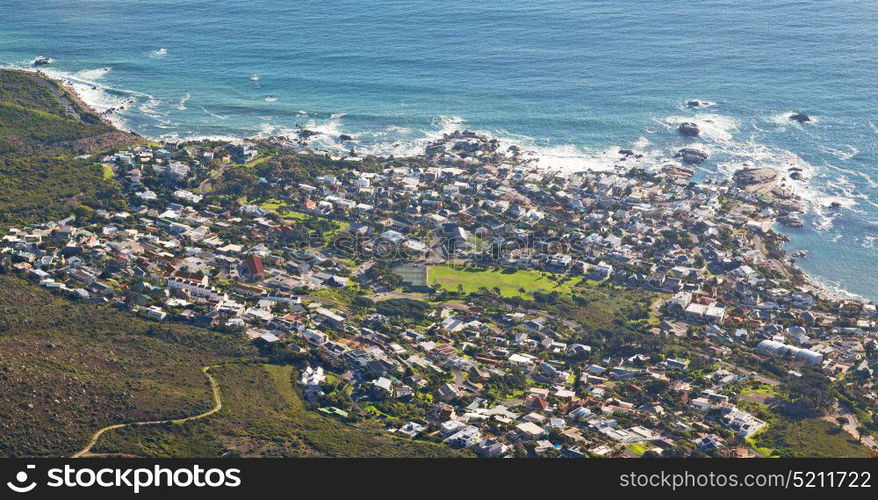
217 406
851 426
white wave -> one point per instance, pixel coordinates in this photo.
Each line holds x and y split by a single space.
270 98
782 120
255 78
403 142
266 129
105 100
846 154
92 74
150 108
195 136
698 104
182 104
329 129
711 126
218 117
569 158
162 52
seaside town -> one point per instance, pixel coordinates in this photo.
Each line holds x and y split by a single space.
470 297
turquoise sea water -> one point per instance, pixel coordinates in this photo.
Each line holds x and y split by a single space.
572 80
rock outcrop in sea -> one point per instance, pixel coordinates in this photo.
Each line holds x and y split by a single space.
688 129
691 155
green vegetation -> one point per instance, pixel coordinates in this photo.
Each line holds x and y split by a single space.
41 126
511 283
37 115
606 307
263 415
68 369
404 308
39 188
809 437
637 448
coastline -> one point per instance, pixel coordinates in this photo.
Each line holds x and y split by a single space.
112 117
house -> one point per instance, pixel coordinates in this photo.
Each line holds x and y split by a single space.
330 318
464 438
382 388
254 267
530 430
315 337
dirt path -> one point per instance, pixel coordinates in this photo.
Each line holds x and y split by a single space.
217 406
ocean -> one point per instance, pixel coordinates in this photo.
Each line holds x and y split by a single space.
571 80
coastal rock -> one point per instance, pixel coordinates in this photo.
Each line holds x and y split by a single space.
698 104
691 155
345 138
305 133
754 176
790 220
677 171
800 117
688 129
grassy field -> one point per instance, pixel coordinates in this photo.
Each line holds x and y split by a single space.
68 369
107 172
262 415
510 282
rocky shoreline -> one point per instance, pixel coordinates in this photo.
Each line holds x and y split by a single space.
768 183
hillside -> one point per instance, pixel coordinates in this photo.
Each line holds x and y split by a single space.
263 416
43 128
39 116
69 368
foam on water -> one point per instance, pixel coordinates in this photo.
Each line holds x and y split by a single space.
183 100
218 117
711 126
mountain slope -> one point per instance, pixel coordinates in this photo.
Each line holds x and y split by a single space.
43 128
39 116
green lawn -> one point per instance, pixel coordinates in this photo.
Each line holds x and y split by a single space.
510 282
637 448
257 161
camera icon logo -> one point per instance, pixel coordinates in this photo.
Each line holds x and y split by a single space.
21 478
